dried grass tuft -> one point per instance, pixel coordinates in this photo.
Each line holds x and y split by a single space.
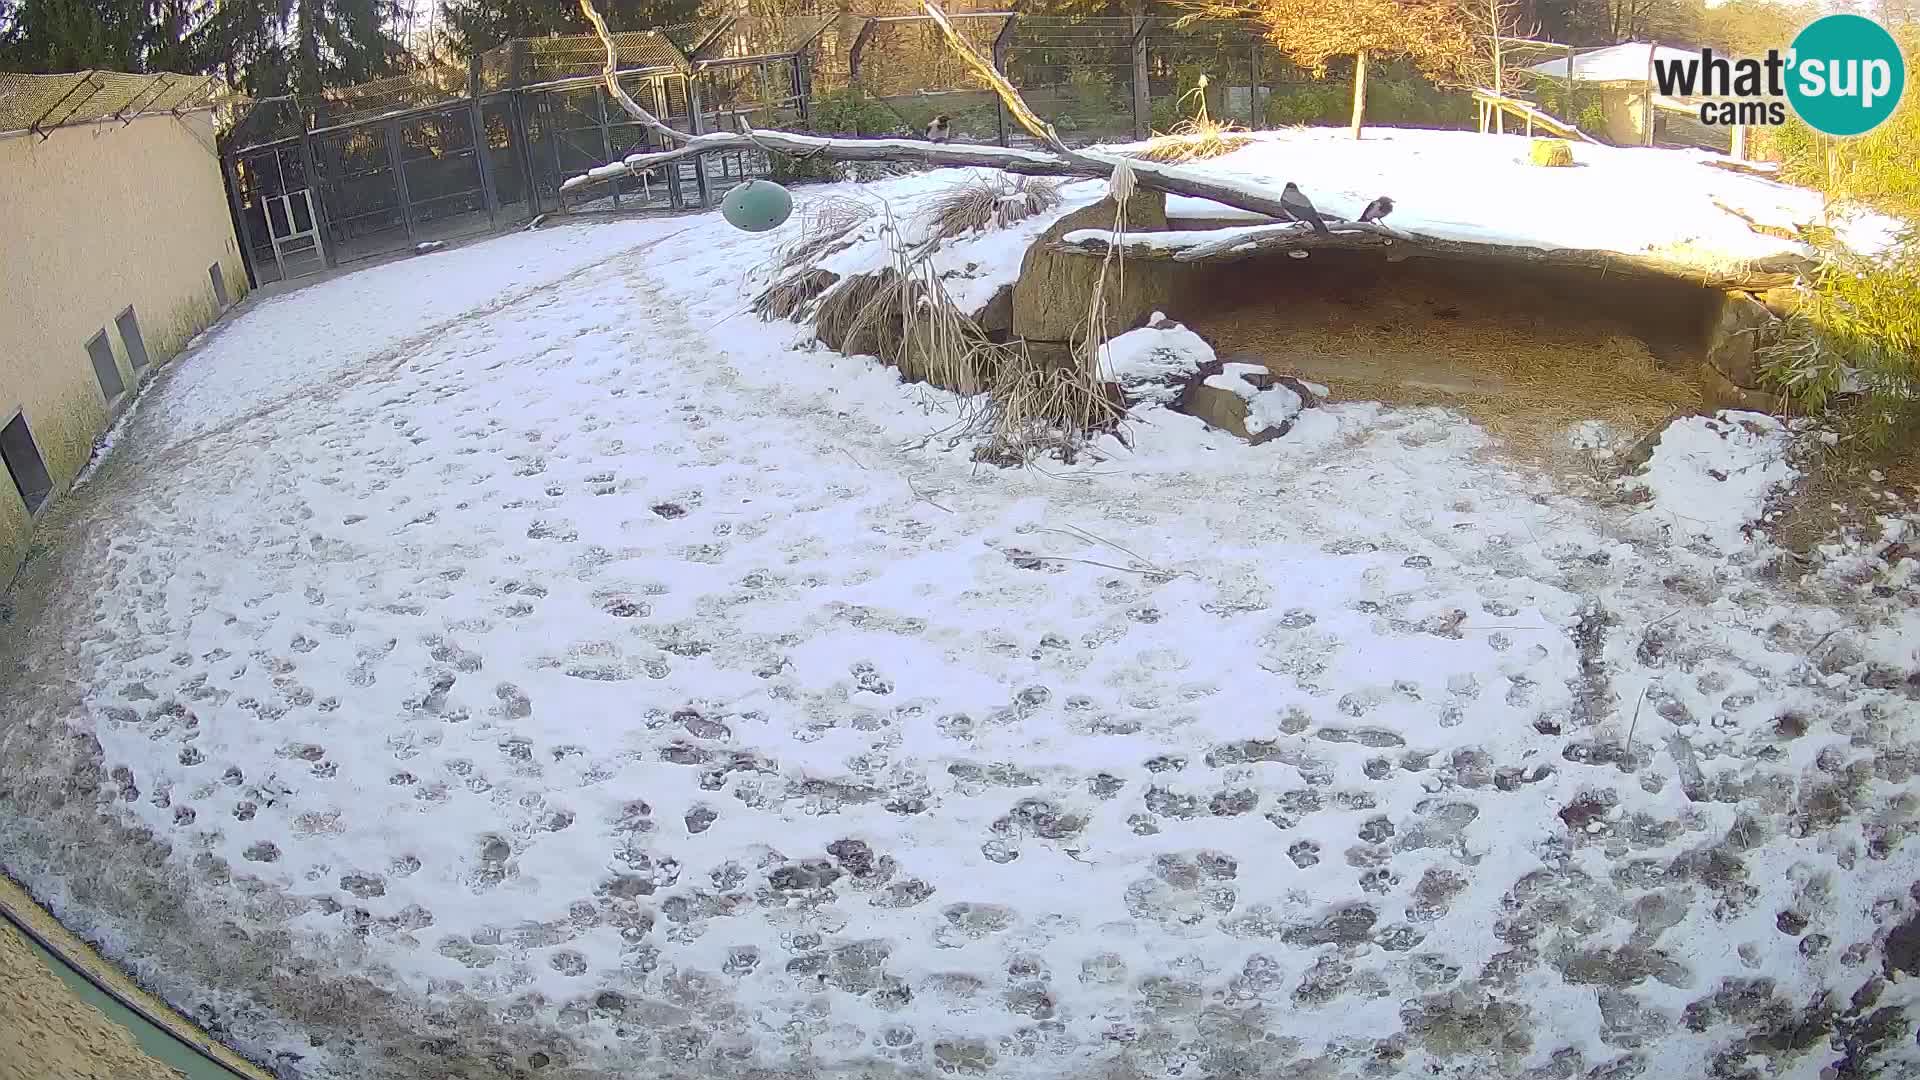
987 202
791 296
1036 407
903 315
1198 139
824 228
1020 402
848 318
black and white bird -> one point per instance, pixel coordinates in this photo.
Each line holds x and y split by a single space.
1299 208
940 129
1377 210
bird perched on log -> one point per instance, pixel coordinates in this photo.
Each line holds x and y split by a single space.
1377 210
1300 208
940 129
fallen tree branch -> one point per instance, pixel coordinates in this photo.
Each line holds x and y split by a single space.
1253 241
1058 161
1170 179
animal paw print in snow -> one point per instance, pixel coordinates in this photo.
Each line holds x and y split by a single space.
866 677
1378 880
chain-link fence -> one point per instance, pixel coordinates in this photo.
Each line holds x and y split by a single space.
42 103
444 152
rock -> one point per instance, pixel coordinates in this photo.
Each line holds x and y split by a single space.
1050 298
997 317
1156 363
1642 450
1734 345
1241 399
1717 393
1219 408
1312 395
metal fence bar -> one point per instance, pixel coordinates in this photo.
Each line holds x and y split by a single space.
396 161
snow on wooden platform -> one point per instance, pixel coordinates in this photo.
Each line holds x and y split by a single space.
1456 185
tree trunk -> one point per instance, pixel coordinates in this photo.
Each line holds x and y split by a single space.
1500 118
1359 90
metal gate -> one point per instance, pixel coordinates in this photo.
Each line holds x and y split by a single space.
294 233
276 212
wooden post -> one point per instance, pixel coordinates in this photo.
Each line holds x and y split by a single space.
1255 112
1646 97
696 123
1500 122
1142 108
1001 41
1359 90
1568 112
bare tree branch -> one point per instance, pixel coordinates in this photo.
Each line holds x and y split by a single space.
611 74
1259 198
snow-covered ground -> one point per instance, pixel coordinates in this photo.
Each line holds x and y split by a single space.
519 661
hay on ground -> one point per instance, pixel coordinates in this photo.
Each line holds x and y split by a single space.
1199 139
1527 384
1550 153
987 202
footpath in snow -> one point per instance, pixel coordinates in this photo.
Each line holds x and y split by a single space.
520 661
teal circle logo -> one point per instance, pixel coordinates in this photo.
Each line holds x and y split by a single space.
1845 74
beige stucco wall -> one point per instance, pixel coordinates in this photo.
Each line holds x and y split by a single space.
92 219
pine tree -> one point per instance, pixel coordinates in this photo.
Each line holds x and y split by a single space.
305 46
71 35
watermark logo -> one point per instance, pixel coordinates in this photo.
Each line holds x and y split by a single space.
1848 74
1843 75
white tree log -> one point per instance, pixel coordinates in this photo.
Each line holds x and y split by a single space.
1254 241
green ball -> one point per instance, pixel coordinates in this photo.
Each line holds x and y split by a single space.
756 206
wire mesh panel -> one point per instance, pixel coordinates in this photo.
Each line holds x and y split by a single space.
388 96
575 55
1078 75
445 189
365 214
1241 68
45 102
504 157
904 66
